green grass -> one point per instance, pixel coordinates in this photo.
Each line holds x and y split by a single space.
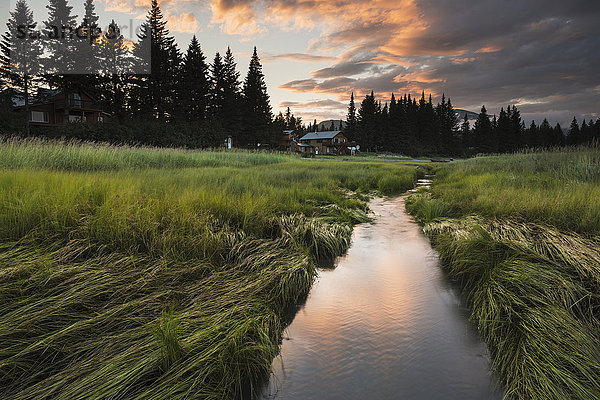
519 235
145 273
559 188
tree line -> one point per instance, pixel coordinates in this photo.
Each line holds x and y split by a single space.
181 99
418 127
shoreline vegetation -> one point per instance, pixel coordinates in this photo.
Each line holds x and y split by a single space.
148 273
520 235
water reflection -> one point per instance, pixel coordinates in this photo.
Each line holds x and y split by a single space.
384 324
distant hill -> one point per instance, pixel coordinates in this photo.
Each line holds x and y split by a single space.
461 114
326 125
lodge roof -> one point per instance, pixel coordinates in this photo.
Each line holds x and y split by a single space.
320 135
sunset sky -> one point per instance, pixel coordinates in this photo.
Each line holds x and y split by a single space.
543 56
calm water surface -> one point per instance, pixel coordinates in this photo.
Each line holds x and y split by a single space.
384 324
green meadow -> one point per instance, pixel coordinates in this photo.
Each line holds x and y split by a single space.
147 273
520 235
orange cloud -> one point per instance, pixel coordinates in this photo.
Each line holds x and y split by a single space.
185 23
459 61
488 49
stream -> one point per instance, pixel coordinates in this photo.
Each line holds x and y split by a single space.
383 324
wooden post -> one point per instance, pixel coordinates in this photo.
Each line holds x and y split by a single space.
27 116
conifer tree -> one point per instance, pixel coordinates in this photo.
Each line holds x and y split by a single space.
367 123
155 92
465 131
482 132
258 109
61 22
573 138
503 131
533 135
87 49
231 113
448 123
545 134
217 86
194 86
586 132
114 62
516 130
559 136
350 130
21 56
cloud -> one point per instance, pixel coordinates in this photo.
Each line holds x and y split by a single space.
489 52
184 22
325 103
129 6
300 57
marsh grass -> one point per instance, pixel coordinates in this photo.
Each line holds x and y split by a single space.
556 187
504 228
132 273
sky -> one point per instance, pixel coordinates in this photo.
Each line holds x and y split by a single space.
541 55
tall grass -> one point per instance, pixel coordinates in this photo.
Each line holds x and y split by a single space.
154 274
85 156
519 234
560 187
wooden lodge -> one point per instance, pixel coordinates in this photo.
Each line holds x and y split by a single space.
330 142
51 107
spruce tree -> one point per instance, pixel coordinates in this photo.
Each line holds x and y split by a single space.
87 49
61 22
350 130
232 111
367 123
448 123
22 56
586 132
258 114
573 138
545 134
155 92
217 86
559 136
533 136
465 131
503 131
482 132
516 130
194 87
114 61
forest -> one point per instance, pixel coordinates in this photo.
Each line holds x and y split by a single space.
418 127
158 95
182 100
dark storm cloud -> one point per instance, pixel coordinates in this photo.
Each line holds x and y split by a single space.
543 56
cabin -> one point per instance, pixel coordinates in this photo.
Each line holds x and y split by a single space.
330 142
289 141
51 107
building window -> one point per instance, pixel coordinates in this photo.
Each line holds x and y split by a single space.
328 149
75 118
39 116
75 100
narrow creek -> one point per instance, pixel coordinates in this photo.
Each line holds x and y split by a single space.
383 324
